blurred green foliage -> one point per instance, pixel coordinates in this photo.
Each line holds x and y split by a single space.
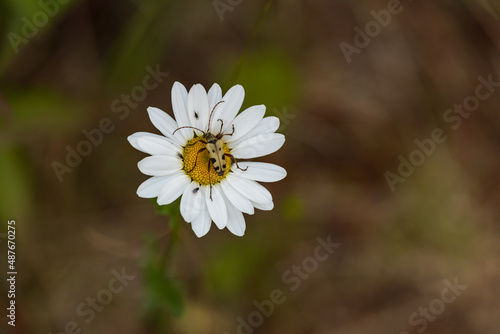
163 294
16 14
16 191
269 78
42 109
293 208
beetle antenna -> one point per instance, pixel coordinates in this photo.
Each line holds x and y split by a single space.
210 117
184 127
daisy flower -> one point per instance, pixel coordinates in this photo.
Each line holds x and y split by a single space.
199 157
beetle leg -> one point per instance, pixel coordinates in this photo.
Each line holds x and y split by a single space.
204 142
221 125
209 177
196 160
236 162
228 134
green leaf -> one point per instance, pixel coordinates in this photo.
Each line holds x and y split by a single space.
163 292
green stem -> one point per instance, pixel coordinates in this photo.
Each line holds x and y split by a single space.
174 237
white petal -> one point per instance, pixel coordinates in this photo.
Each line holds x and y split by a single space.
132 139
216 206
198 107
250 189
160 165
259 146
266 125
235 221
246 121
152 186
226 111
173 189
191 202
260 171
214 96
166 124
236 198
158 145
201 225
265 207
179 106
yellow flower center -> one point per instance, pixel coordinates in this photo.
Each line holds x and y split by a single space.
197 164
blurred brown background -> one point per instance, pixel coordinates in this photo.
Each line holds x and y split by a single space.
67 66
